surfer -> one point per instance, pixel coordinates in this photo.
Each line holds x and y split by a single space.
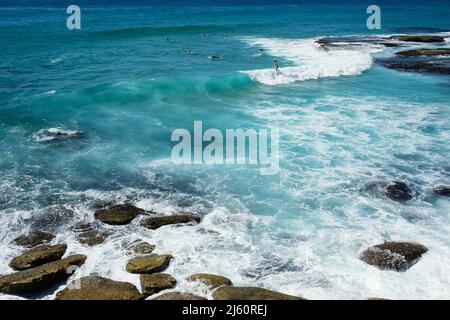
276 65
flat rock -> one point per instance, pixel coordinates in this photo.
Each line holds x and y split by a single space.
38 256
419 38
149 264
398 191
425 52
178 296
250 293
396 256
118 214
154 283
40 278
443 191
211 280
157 222
98 288
437 66
92 238
34 239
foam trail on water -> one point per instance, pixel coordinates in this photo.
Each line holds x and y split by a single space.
310 61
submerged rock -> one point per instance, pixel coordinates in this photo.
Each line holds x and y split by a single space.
98 288
57 134
178 296
443 191
211 280
34 239
154 283
425 52
38 256
419 38
140 247
398 191
157 222
397 256
250 293
40 278
92 238
149 264
118 214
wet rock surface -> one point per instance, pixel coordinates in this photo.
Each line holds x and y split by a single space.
38 256
212 281
178 296
412 64
34 239
157 222
92 238
98 288
149 264
40 278
442 191
419 38
154 283
424 52
250 293
118 214
398 191
396 256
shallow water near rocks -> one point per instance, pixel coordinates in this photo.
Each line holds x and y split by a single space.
346 123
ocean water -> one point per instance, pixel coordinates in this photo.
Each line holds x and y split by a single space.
345 121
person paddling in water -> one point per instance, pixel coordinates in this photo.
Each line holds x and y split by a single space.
276 66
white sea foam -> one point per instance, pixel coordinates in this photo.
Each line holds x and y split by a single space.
309 60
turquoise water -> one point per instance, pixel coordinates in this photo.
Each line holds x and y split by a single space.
345 123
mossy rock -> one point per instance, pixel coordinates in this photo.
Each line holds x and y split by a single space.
118 214
149 264
154 283
98 288
34 239
212 281
40 278
250 293
178 296
157 222
38 256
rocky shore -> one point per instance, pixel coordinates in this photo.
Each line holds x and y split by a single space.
424 60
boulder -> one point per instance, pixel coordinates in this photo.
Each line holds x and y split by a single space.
34 239
40 278
154 283
118 214
443 191
211 280
425 52
92 238
250 293
419 38
38 256
98 288
157 222
398 191
396 256
149 264
178 296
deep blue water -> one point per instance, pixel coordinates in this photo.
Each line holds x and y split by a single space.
345 123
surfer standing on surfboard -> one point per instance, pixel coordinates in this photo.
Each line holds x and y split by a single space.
276 65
